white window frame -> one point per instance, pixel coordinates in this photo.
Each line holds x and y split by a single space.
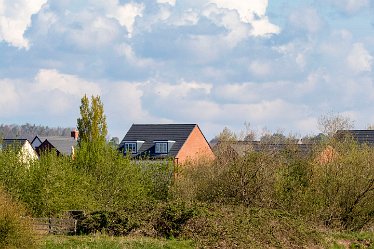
161 147
130 146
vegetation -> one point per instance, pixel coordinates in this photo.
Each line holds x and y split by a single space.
15 231
105 242
276 197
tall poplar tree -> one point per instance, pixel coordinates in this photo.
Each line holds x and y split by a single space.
92 125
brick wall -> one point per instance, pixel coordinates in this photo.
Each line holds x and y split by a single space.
195 146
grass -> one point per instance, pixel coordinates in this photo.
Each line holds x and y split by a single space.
106 242
351 240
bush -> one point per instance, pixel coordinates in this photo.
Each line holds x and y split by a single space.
172 218
343 189
105 222
15 232
244 180
238 226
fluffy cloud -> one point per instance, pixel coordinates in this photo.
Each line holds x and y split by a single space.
251 12
359 59
9 100
306 19
126 15
52 80
171 2
15 18
50 93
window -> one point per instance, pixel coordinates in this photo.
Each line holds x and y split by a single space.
161 148
130 147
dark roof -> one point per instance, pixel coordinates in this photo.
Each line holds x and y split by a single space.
361 136
61 144
158 132
242 147
13 143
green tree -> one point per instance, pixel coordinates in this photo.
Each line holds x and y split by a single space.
92 125
92 130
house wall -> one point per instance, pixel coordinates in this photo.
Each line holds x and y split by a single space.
195 146
28 153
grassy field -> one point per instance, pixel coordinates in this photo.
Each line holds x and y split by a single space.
105 242
333 240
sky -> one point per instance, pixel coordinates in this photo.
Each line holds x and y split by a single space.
277 65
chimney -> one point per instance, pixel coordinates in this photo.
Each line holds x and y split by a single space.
74 134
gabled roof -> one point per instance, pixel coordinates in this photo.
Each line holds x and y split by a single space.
361 136
149 133
63 145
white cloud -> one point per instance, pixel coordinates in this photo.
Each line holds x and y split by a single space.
50 94
15 18
251 12
307 19
171 2
127 51
123 102
359 59
260 68
52 80
126 15
9 98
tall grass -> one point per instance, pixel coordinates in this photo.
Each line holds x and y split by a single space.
15 231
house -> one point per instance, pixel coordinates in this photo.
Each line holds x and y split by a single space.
180 142
360 136
62 145
241 148
22 147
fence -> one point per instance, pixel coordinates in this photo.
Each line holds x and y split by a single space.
54 226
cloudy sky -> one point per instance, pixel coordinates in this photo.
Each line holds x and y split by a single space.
277 64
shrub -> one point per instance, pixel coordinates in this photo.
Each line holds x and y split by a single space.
15 232
244 180
343 189
106 222
172 218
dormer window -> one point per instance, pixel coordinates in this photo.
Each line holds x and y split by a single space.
130 147
161 148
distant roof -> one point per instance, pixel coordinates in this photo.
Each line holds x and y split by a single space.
61 144
242 147
16 142
361 136
158 132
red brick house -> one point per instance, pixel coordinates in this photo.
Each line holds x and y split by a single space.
180 142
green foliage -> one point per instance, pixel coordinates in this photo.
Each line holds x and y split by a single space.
238 226
92 125
292 182
52 185
105 222
172 219
237 180
158 177
15 232
343 189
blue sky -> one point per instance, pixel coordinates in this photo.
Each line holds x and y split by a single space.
276 64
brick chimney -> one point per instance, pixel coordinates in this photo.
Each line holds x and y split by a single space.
74 134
